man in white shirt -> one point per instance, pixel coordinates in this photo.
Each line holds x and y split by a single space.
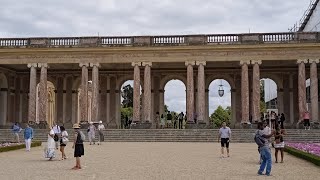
225 135
100 132
57 132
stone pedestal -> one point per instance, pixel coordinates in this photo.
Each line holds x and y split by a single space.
32 93
43 94
199 125
136 92
143 125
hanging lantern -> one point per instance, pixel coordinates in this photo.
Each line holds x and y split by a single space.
221 90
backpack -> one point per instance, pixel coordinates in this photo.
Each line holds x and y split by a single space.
83 137
259 139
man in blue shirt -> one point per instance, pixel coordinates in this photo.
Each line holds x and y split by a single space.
16 130
28 135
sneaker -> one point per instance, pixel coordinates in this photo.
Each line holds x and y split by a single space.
268 175
260 173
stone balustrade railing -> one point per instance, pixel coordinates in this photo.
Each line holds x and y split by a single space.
179 40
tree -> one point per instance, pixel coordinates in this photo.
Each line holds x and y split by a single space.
166 109
262 102
221 115
127 95
126 112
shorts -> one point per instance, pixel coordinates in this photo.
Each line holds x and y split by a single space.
225 141
279 145
306 122
78 150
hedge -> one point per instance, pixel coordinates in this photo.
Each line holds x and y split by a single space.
303 155
21 146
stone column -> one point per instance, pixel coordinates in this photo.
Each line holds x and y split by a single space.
190 91
244 92
83 106
314 89
136 92
32 93
95 92
201 92
256 91
302 87
43 94
147 91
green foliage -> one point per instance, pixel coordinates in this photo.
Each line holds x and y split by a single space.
21 146
221 115
128 111
127 95
166 109
263 107
303 155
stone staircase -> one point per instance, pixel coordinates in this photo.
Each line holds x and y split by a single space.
172 135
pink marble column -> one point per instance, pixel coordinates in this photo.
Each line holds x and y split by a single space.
256 91
302 88
190 91
83 101
43 93
136 92
147 91
32 93
244 92
95 92
201 92
314 89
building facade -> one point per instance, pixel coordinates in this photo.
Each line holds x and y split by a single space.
79 79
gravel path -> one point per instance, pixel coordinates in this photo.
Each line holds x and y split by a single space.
151 161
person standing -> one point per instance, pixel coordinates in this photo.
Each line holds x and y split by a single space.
100 132
273 119
181 116
50 150
78 146
57 134
264 149
28 135
282 119
16 129
306 120
225 135
63 142
279 143
169 119
157 120
162 123
92 133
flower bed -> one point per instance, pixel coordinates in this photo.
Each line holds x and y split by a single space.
306 151
4 147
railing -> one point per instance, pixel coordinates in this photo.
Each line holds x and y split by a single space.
181 40
168 40
226 38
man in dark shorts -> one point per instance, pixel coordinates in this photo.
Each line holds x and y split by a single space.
224 136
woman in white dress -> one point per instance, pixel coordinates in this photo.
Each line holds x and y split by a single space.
51 145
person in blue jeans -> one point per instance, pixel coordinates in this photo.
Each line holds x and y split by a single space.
28 135
265 151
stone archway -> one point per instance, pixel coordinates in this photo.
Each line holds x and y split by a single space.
3 99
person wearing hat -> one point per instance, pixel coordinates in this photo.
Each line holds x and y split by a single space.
91 133
100 133
78 146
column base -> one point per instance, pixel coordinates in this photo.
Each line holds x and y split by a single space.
246 125
199 125
40 125
143 125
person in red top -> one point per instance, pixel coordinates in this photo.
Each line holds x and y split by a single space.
306 120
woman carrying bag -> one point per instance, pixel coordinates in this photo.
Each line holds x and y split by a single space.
63 142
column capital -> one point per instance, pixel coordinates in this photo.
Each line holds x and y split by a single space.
146 64
256 62
136 64
299 61
242 62
201 62
189 63
83 64
32 65
313 60
94 64
43 65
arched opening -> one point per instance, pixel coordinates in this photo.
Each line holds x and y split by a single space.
220 109
3 98
126 98
51 104
174 100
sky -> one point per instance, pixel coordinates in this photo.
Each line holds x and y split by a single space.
39 18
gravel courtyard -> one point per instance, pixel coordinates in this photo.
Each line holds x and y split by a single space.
151 161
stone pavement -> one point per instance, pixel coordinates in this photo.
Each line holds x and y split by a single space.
151 161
